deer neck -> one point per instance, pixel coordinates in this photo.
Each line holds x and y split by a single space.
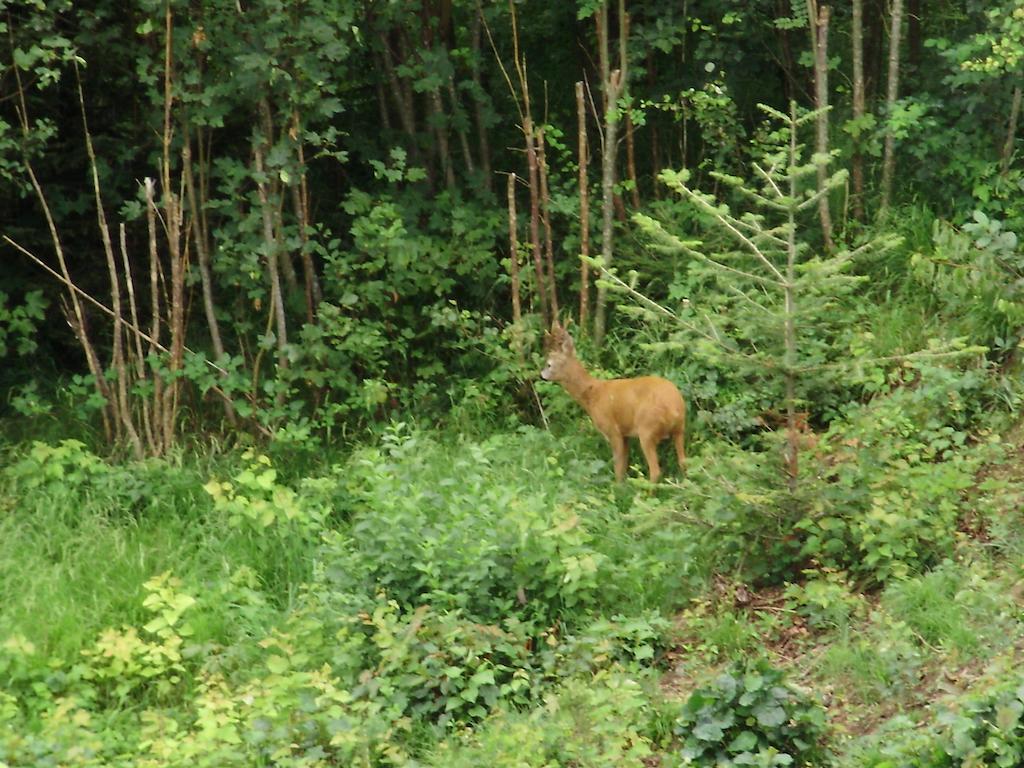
577 382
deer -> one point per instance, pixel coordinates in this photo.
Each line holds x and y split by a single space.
648 407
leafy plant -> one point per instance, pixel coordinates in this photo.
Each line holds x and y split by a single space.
18 323
886 499
748 715
985 728
123 661
826 599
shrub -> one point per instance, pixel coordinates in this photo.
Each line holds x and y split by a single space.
984 729
748 715
604 721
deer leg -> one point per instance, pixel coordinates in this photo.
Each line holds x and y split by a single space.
649 444
620 452
677 438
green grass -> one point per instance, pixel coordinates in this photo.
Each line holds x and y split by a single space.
76 553
462 524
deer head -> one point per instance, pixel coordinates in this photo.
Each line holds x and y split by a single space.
561 353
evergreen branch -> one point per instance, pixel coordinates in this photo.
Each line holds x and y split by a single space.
619 284
921 354
655 227
626 288
728 225
757 304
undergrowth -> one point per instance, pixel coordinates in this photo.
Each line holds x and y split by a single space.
434 598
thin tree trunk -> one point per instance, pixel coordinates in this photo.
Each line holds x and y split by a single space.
285 261
915 40
656 163
172 224
783 9
382 97
271 245
819 37
538 260
584 160
481 118
513 268
529 137
441 135
406 112
545 206
300 201
613 82
403 98
631 163
858 108
1011 131
120 404
155 324
199 237
76 316
284 258
790 355
202 243
874 47
140 365
889 157
467 155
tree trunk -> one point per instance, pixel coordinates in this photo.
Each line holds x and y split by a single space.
402 98
382 98
584 160
173 228
819 37
143 406
300 202
271 245
402 95
889 157
456 109
529 134
789 324
612 83
481 118
874 47
631 164
787 61
1011 131
513 268
199 237
915 40
858 108
545 210
155 324
440 127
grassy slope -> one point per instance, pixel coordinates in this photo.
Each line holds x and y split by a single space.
73 556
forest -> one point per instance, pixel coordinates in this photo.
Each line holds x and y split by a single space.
300 302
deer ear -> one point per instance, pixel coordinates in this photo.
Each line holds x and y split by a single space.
567 342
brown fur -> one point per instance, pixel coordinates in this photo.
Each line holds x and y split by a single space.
648 407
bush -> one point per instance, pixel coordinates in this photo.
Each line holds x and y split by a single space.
889 488
982 729
605 721
491 528
748 715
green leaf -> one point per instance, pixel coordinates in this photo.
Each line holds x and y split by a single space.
746 741
770 715
277 664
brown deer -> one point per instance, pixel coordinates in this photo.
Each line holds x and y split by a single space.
648 407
